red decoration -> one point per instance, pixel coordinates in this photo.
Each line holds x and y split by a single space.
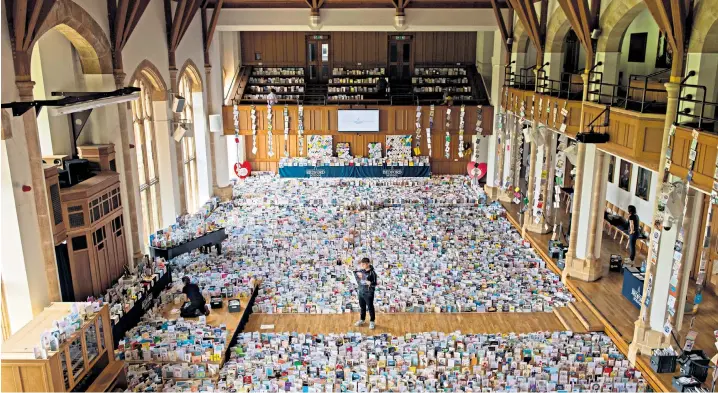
236 139
476 170
26 188
243 171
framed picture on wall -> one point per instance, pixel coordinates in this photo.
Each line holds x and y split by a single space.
624 175
611 168
643 183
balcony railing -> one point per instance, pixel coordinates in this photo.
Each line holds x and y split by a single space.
641 94
693 112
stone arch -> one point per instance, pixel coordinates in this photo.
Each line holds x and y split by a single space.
83 32
521 40
193 72
615 21
704 36
146 70
556 31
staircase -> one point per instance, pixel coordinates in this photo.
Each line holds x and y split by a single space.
315 94
578 318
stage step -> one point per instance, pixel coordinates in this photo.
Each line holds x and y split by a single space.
568 320
587 318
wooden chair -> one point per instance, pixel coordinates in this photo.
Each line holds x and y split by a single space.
607 225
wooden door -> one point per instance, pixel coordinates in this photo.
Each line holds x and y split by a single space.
319 65
401 58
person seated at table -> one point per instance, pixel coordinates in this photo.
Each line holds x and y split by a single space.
195 305
634 230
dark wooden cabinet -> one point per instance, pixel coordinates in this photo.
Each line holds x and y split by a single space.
95 233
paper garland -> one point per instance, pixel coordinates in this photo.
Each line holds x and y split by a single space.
417 149
479 120
235 114
678 248
270 128
447 139
253 116
428 130
300 129
462 113
286 130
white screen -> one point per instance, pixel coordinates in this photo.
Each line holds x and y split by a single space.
366 120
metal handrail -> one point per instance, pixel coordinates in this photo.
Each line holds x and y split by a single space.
644 89
689 98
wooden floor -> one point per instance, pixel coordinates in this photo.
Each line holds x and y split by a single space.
402 323
604 295
216 316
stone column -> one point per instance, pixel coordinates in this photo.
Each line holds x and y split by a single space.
127 177
593 267
577 192
496 149
224 193
644 338
32 140
174 83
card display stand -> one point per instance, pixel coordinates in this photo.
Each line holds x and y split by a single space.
694 364
615 263
212 238
663 364
133 317
354 171
430 83
355 84
87 355
287 82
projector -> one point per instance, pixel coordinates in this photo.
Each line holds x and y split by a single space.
592 137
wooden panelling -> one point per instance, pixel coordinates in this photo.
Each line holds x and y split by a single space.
322 120
634 136
704 166
444 47
277 48
543 103
348 48
353 47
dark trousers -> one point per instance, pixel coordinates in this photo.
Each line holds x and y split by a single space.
193 309
632 245
366 301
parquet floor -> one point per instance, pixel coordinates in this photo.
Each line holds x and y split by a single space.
605 295
402 323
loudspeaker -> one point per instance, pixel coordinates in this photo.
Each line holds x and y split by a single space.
215 123
178 104
179 133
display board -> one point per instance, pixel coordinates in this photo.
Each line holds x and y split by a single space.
362 120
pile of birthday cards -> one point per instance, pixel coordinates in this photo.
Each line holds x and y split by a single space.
432 362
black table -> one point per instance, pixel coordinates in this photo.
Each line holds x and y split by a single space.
210 238
131 318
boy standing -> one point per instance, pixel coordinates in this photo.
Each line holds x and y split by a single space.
366 279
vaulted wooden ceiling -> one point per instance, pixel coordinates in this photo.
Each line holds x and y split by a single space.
357 3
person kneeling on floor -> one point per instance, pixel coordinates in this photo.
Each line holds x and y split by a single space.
195 305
